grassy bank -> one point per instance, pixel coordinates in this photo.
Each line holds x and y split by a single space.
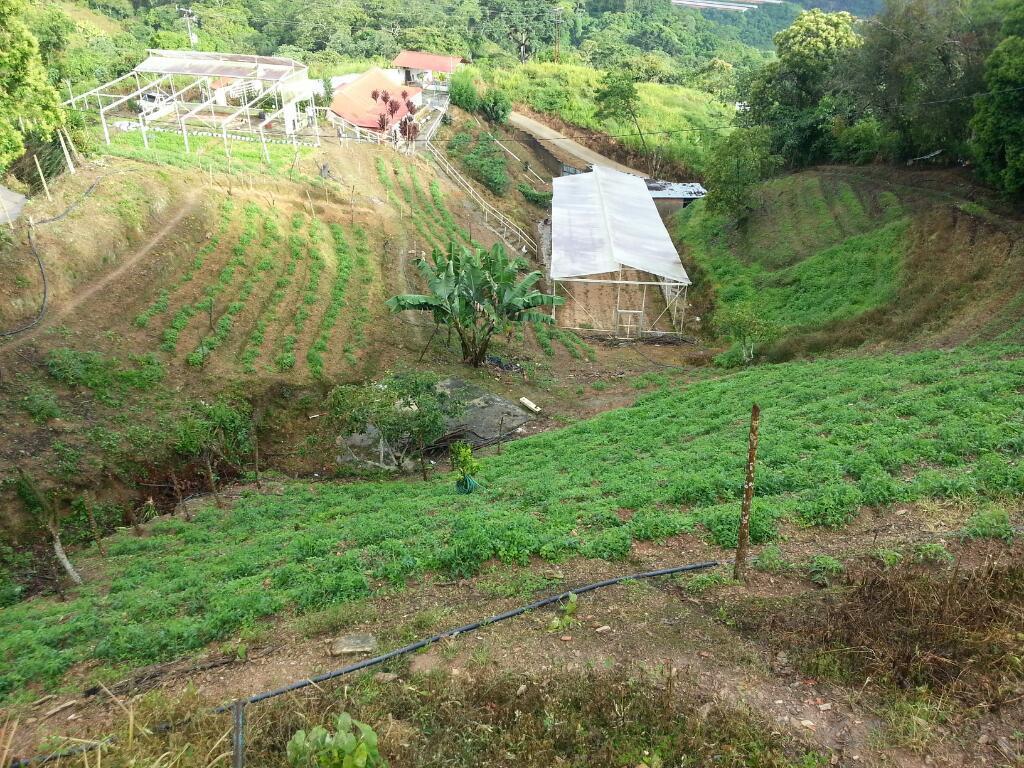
568 90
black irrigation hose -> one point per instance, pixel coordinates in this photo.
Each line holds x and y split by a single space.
46 292
39 260
377 660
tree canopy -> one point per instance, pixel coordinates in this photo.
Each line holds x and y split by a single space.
28 103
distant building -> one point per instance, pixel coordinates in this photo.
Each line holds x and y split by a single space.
670 196
354 103
427 70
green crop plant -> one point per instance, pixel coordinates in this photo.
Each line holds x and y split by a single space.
342 273
161 304
932 553
543 335
824 570
41 404
989 522
924 419
352 745
700 583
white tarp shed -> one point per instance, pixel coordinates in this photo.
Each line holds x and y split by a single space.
605 220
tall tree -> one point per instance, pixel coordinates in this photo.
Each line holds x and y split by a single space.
791 95
28 103
618 99
998 125
920 62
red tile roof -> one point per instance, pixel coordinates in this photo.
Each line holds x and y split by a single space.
433 62
354 101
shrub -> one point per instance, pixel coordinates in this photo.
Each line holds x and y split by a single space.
770 559
823 570
989 523
540 199
496 106
930 552
866 141
485 162
463 91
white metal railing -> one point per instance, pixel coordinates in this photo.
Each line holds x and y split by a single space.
514 235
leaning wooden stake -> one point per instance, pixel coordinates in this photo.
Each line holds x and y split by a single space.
212 479
42 177
740 567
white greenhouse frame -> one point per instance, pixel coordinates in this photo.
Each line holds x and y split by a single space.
604 225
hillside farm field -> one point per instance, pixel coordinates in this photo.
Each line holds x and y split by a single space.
839 437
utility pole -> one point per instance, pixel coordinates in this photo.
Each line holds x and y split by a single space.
190 16
557 12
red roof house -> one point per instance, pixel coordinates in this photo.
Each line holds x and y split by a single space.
354 101
428 62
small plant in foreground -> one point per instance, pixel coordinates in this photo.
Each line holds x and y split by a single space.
989 523
567 618
887 558
824 569
464 463
770 559
930 552
702 582
352 744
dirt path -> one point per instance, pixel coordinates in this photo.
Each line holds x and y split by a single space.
559 144
55 315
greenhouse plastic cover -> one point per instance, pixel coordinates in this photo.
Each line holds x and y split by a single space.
605 220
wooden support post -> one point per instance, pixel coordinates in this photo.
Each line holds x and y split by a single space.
743 543
67 154
7 213
42 177
238 734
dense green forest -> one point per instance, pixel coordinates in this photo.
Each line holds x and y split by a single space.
937 80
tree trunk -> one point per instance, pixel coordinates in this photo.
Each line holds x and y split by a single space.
212 480
177 495
94 527
743 541
58 551
256 453
639 132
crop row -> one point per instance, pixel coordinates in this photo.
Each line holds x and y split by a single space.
225 278
361 311
163 300
285 360
342 273
268 316
256 274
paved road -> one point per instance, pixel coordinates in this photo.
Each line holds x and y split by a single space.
11 204
566 149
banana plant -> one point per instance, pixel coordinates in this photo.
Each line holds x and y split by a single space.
477 293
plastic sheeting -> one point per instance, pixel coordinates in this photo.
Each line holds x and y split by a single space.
605 220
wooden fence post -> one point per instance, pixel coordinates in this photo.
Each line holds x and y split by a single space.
42 177
743 543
